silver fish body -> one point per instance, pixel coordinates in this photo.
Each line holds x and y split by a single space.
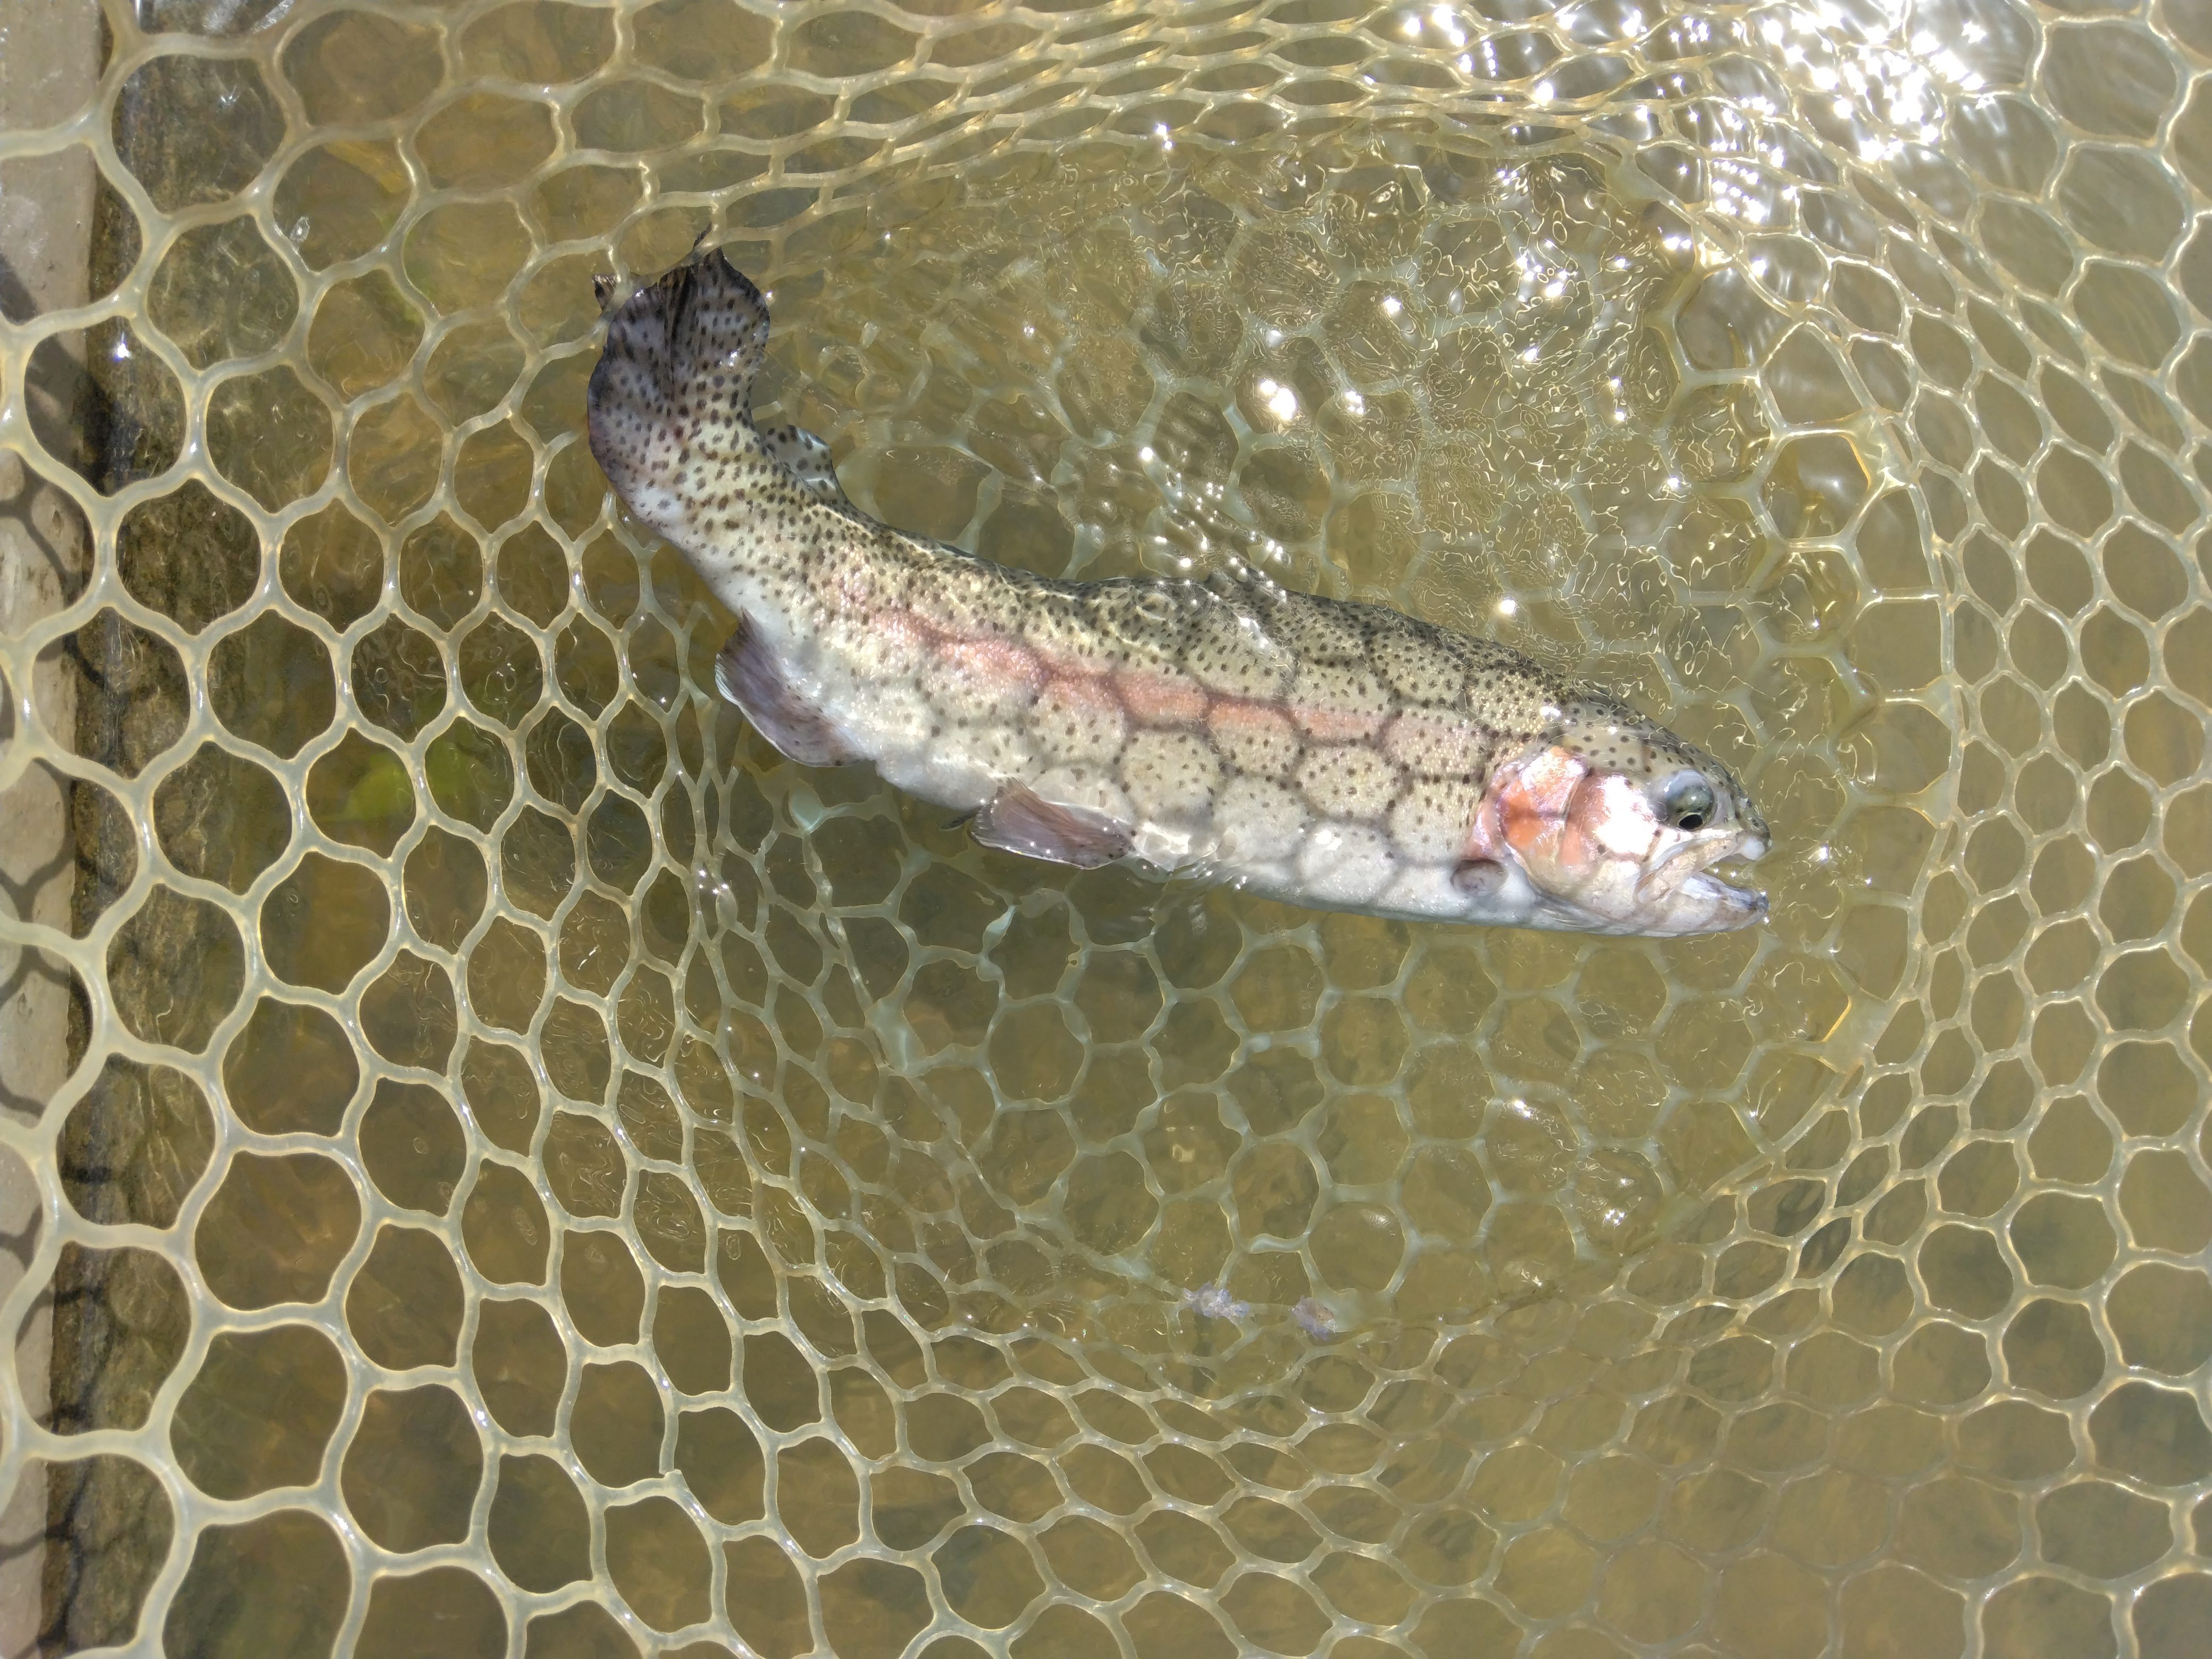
1337 755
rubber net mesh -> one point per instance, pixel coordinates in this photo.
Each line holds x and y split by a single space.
503 1164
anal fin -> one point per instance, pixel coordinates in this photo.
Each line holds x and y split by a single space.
1018 820
747 674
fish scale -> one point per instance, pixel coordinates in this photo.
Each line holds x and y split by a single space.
1320 751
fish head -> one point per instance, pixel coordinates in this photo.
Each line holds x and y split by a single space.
1615 824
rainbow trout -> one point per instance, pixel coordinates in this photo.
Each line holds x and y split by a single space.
1334 754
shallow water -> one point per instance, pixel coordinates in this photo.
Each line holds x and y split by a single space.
522 1154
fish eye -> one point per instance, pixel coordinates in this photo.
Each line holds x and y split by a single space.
1689 801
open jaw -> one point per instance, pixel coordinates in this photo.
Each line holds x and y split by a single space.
1685 866
1746 904
1678 892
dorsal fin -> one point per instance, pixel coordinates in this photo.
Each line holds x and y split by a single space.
806 458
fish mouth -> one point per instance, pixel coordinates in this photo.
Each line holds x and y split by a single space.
1686 861
1678 895
1749 901
1679 892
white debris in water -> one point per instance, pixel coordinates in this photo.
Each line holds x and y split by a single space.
1214 1302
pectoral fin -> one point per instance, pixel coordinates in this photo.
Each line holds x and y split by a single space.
1018 820
1479 877
747 674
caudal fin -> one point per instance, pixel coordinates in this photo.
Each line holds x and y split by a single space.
668 402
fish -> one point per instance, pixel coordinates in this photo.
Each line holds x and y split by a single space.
1334 754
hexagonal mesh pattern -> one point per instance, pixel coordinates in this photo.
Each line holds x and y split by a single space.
512 1167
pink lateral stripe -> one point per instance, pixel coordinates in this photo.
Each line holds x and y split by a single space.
1149 697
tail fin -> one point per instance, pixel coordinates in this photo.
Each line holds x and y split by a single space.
668 403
